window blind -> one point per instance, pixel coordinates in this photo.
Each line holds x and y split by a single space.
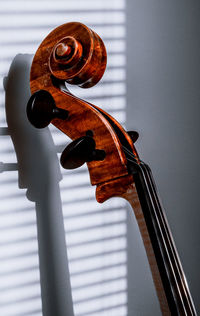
95 234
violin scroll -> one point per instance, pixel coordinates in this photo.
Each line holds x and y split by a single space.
74 54
79 57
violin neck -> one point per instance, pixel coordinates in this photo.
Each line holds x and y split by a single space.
169 279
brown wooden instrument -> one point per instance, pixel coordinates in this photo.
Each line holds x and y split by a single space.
75 54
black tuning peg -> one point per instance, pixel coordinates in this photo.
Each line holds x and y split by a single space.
80 151
133 135
41 109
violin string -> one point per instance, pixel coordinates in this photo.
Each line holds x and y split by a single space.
182 287
132 158
129 152
131 155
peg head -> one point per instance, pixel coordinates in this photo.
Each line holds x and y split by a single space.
133 135
41 109
80 151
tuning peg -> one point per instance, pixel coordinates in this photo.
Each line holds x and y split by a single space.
80 151
133 135
41 109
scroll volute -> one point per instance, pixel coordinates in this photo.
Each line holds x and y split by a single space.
75 54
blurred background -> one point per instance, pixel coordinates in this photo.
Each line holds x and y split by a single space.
151 84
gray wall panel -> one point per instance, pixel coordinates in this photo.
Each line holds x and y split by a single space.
163 77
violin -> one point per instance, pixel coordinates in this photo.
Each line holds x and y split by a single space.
74 54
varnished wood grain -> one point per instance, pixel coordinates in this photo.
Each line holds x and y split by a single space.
82 115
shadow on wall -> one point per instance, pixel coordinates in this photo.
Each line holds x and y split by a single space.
39 172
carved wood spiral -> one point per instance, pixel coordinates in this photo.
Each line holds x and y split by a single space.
75 54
